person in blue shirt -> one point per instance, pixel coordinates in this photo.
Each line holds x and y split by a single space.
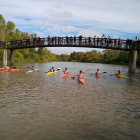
52 69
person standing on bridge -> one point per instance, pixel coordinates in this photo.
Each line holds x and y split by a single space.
80 39
94 39
111 42
48 40
97 40
74 39
20 41
61 40
71 40
55 40
67 39
52 40
85 41
119 42
58 40
89 40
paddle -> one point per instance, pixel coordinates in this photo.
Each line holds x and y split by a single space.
83 72
14 67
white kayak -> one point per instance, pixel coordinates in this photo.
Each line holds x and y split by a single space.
31 70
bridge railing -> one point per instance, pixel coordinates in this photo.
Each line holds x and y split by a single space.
71 41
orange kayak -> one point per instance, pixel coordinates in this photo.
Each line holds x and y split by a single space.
9 70
65 74
81 80
98 75
1 68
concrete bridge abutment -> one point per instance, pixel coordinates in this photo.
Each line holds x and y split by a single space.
4 57
11 57
132 61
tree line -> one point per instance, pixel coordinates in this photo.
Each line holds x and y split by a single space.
8 32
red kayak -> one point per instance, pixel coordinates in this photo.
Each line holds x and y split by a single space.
9 70
1 68
81 80
65 74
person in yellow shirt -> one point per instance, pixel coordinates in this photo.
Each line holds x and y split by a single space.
7 67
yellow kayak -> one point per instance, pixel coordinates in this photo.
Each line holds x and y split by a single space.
118 75
49 73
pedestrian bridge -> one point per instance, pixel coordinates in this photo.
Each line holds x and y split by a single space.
85 42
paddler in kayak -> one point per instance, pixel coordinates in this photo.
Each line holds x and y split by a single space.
33 68
80 75
66 70
52 69
98 73
118 73
7 68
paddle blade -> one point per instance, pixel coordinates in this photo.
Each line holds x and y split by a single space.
72 77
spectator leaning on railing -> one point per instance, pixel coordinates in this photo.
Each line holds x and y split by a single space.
74 39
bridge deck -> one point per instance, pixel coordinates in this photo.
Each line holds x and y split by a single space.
100 43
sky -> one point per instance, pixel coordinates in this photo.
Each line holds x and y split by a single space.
114 18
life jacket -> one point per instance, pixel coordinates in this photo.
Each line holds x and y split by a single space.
98 72
51 70
111 40
80 75
7 68
118 73
65 71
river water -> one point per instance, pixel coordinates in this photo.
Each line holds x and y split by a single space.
38 107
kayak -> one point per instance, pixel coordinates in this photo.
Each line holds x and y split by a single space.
98 75
9 70
49 73
118 75
1 68
65 75
81 80
32 70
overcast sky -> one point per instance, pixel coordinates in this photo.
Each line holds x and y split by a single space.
114 18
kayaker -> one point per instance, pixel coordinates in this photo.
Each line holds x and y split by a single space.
118 73
33 68
98 72
65 71
80 75
52 69
7 67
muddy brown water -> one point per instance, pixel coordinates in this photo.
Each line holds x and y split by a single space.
38 107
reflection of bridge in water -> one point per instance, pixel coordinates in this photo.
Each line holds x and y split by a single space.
86 42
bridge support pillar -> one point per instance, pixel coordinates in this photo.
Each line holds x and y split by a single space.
132 61
11 57
4 57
